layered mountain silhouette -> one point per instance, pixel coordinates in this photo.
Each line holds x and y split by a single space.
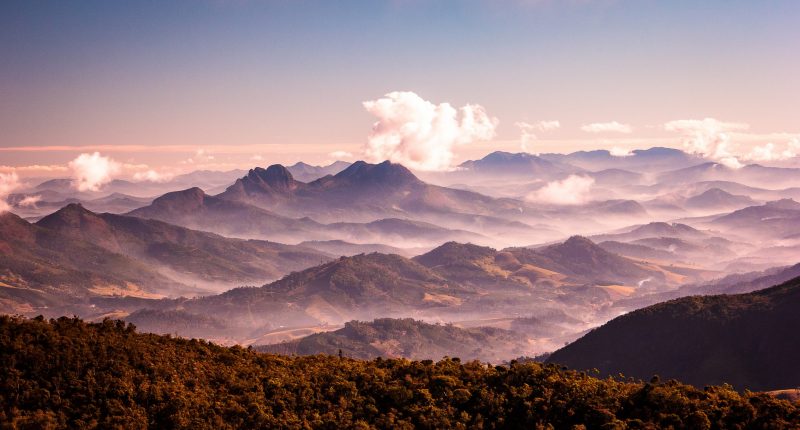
748 340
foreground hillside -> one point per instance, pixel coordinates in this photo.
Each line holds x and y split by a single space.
748 340
68 374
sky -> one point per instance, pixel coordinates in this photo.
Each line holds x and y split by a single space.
166 86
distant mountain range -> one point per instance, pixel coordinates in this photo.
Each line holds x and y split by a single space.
748 340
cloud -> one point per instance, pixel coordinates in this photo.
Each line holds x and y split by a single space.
29 201
91 171
708 137
339 155
607 127
8 183
257 158
616 151
201 156
573 190
422 135
151 176
768 152
527 131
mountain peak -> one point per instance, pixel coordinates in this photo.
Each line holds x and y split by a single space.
276 176
383 173
187 199
73 214
454 253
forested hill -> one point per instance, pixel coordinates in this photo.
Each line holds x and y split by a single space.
69 374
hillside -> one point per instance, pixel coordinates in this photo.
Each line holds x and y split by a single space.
407 338
193 208
748 340
69 374
188 254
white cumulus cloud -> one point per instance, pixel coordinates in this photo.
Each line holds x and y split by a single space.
8 183
91 171
528 131
573 190
151 176
607 127
769 152
709 138
422 135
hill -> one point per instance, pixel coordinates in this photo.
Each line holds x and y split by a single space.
69 374
407 338
193 208
189 254
747 340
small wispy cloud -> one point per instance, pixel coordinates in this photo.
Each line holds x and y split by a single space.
151 175
607 127
340 155
8 183
573 190
29 201
528 131
422 135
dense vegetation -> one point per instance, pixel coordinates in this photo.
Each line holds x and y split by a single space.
69 374
747 340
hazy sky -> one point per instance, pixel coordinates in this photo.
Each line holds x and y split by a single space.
251 82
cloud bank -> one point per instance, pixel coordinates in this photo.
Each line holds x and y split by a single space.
528 131
91 171
708 137
8 183
768 152
573 190
422 135
607 127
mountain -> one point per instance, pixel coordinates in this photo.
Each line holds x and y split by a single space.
362 192
747 340
777 212
307 173
361 286
206 258
523 165
716 199
342 248
640 160
41 269
102 372
654 229
417 340
401 232
193 208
